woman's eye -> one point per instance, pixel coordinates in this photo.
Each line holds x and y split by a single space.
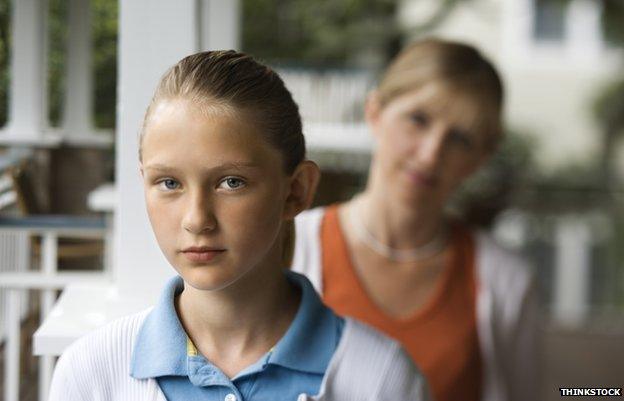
420 118
461 138
169 184
232 183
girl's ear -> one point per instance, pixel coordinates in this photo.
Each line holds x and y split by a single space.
303 183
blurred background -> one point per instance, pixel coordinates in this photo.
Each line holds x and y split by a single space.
554 191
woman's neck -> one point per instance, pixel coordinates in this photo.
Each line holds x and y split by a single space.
235 326
395 223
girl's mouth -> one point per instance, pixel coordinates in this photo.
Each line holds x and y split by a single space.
202 254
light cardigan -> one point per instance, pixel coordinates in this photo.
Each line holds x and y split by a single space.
367 366
506 309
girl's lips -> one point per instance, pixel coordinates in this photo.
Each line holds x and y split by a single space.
202 255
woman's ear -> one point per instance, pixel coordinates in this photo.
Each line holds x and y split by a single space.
302 188
372 108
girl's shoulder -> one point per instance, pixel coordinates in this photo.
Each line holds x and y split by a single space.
96 362
368 365
112 340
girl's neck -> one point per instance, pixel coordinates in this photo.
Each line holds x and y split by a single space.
235 326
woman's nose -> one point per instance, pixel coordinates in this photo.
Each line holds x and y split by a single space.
431 148
199 216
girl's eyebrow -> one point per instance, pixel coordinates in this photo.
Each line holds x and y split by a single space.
228 165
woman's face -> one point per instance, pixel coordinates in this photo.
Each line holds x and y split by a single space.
214 191
422 154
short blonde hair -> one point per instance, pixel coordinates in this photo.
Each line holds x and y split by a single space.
468 86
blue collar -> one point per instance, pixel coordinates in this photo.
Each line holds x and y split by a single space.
309 343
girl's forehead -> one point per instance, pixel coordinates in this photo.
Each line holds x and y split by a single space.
178 127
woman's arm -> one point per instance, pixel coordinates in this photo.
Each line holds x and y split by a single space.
523 349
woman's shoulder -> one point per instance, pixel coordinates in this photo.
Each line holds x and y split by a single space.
95 361
498 264
368 365
307 252
310 217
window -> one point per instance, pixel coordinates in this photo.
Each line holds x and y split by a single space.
549 20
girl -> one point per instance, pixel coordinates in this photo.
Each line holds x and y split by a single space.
461 306
222 160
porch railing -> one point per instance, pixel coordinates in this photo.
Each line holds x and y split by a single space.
16 283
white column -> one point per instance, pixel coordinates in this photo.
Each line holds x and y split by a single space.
12 345
49 265
153 35
220 24
517 30
572 271
583 30
78 102
26 96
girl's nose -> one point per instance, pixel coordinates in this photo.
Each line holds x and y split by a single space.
199 217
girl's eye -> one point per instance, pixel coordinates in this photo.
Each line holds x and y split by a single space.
232 183
420 118
169 184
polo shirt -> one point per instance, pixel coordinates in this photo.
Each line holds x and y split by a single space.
295 365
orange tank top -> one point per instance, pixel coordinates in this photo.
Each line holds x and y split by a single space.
441 337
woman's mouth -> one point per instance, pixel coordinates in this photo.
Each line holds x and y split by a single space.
420 178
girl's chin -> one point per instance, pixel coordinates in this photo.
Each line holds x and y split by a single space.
209 281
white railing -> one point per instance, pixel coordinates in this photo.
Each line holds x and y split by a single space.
14 246
334 96
331 103
15 258
47 280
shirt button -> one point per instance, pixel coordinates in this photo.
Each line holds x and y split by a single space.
230 397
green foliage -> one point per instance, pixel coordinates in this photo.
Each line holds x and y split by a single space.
318 33
104 60
104 30
609 106
613 21
57 38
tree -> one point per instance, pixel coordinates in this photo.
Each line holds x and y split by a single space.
328 32
104 36
609 105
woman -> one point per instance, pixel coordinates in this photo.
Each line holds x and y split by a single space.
461 306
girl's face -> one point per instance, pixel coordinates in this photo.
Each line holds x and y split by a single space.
215 193
423 154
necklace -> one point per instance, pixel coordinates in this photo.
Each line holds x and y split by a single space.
431 248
